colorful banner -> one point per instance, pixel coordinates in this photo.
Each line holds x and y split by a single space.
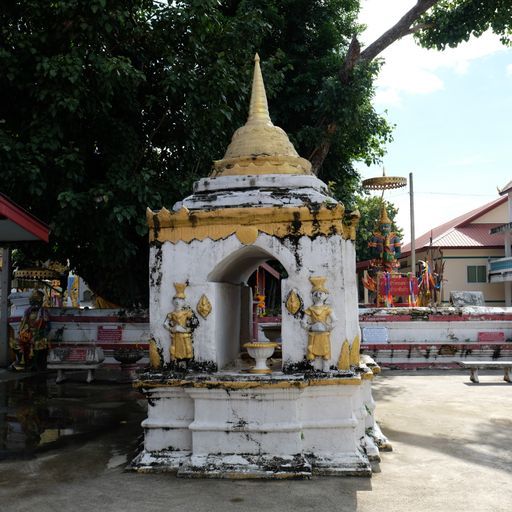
398 285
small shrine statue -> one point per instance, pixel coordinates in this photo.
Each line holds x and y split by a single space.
181 323
33 335
319 321
385 245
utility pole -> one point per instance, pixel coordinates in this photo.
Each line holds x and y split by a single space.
413 236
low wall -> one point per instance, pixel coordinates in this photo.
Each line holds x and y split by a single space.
105 328
440 337
394 337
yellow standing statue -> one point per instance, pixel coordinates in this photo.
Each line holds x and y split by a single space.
181 323
319 321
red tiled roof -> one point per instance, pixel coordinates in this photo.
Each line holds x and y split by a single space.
454 233
16 224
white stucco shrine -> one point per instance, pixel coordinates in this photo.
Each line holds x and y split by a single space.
210 413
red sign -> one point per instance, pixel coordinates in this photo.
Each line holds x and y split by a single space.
399 285
76 355
491 336
110 333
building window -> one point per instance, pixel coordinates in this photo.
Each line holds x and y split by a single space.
477 274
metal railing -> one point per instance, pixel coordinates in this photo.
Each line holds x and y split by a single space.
501 229
500 265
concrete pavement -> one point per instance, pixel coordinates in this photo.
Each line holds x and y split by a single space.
451 439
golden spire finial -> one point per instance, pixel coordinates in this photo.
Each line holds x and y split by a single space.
259 147
258 107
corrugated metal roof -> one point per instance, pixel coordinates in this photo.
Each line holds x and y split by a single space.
462 221
476 235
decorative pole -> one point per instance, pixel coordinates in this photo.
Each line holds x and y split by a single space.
413 236
385 266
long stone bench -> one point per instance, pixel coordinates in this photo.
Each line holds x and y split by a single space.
474 366
75 358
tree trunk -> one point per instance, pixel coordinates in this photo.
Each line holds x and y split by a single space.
402 28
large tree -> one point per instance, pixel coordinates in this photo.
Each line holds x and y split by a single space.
112 106
109 106
435 24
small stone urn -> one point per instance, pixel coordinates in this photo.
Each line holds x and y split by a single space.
128 357
260 351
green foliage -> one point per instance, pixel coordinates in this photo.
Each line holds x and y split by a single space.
451 22
110 107
369 207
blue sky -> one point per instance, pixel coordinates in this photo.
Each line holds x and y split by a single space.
453 116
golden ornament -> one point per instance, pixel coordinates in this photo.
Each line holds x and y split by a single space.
204 306
293 302
155 355
354 352
344 360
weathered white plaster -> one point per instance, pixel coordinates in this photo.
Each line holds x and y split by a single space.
167 428
257 181
229 261
328 423
259 421
227 317
257 190
226 427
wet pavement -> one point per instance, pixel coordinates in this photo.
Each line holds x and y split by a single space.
37 415
65 448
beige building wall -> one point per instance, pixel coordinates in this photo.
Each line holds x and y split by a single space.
456 274
496 215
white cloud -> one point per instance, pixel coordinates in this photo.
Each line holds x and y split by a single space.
409 69
387 96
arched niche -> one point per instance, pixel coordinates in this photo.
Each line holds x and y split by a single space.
234 311
238 266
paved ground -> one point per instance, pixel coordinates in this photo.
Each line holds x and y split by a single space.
452 452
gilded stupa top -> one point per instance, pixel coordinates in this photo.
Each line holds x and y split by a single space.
259 147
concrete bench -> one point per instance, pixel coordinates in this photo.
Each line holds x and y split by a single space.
474 366
75 358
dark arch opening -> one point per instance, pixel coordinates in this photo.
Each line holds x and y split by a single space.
237 312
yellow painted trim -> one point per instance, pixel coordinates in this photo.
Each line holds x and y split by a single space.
249 166
344 359
247 223
253 384
260 344
354 351
367 375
